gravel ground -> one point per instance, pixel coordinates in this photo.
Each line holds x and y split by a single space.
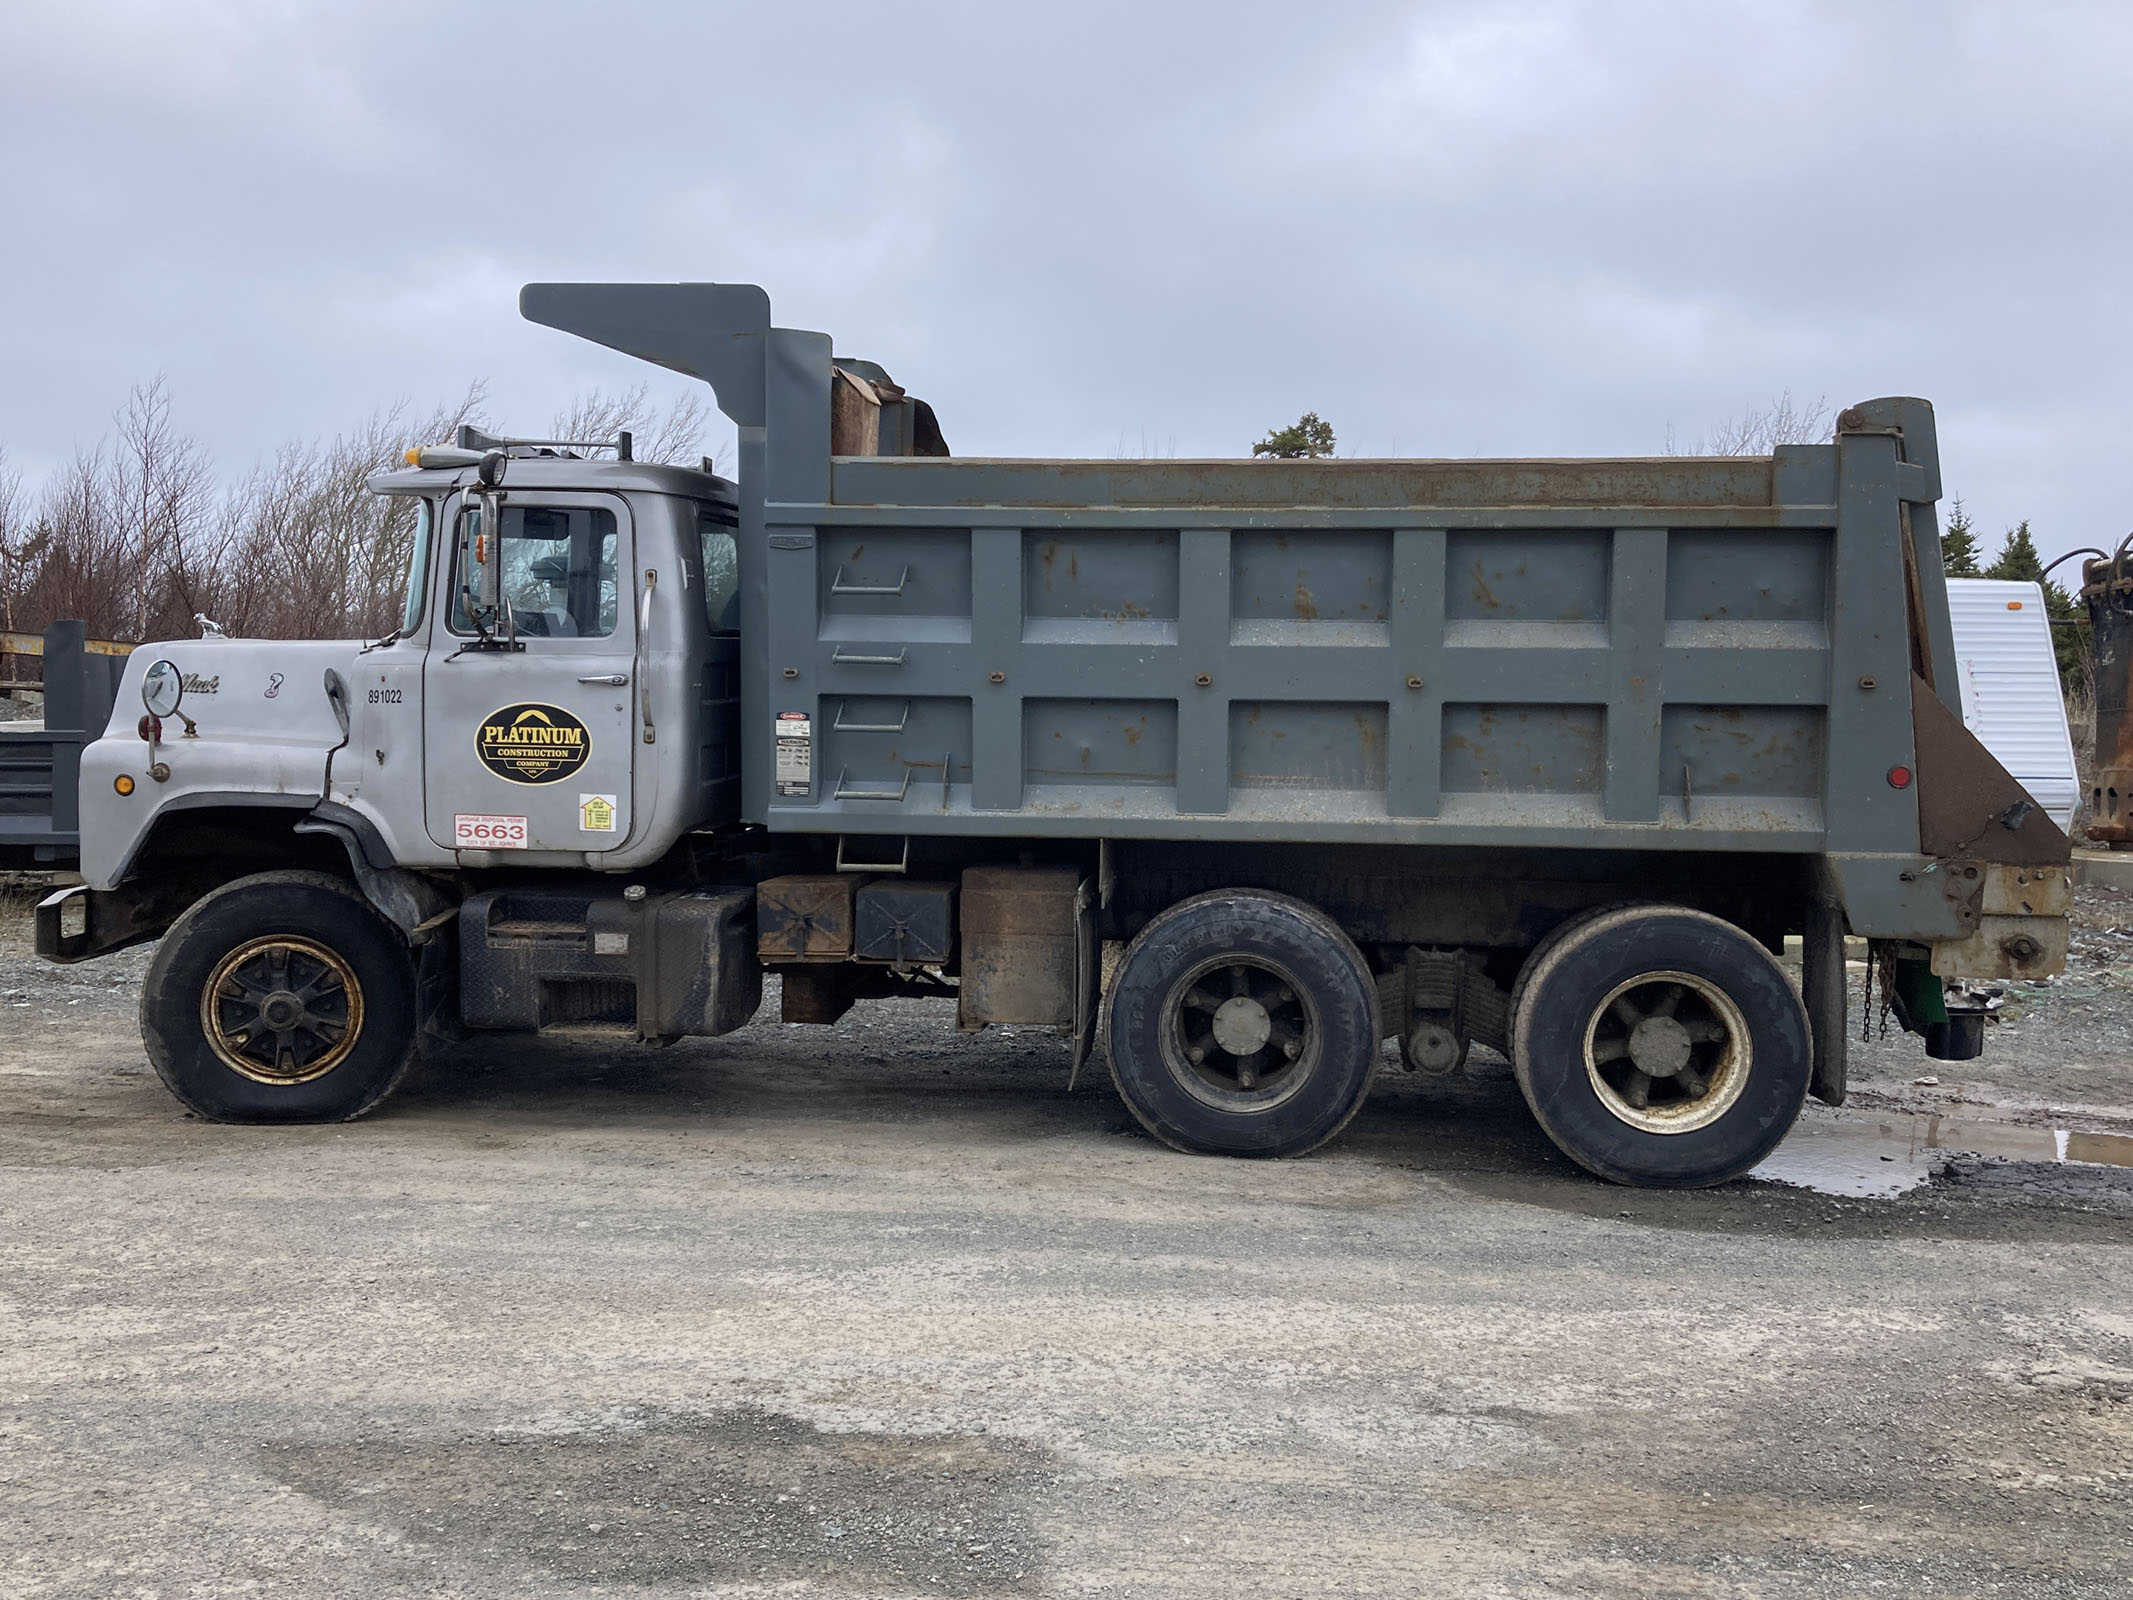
882 1310
2060 1044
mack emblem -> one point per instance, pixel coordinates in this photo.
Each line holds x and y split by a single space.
530 743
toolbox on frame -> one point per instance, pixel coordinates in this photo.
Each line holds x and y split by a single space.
909 924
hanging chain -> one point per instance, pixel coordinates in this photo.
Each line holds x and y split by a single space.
1881 968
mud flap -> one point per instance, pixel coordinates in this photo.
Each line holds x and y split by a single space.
438 1028
1088 973
1822 989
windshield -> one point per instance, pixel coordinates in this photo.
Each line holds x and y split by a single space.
418 568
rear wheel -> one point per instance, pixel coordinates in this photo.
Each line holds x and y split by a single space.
280 998
1660 1046
1242 1024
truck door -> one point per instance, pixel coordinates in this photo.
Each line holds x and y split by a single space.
530 748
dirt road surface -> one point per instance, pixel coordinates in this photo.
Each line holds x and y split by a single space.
884 1311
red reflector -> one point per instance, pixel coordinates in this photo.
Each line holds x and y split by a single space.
150 729
1899 777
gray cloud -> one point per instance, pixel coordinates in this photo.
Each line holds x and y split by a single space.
1451 229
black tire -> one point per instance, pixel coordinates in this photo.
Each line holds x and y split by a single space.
1729 1075
300 946
1310 985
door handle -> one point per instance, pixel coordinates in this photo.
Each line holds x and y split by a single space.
614 680
644 649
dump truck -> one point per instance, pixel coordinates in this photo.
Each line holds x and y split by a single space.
1249 777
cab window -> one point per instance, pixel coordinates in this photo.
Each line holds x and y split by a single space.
722 576
558 571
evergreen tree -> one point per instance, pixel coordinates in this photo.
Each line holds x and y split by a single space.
1958 546
2018 560
1305 439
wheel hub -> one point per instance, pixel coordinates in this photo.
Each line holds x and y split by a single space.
1433 1047
282 1010
1659 1046
1242 1026
1241 1034
1668 1052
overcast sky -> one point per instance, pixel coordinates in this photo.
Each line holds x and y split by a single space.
1146 228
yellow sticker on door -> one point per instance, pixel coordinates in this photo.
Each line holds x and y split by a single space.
596 813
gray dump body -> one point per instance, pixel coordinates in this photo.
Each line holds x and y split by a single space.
1669 654
1557 653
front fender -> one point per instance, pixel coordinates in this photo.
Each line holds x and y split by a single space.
115 826
261 732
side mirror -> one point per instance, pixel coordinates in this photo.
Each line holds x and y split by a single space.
489 553
162 687
483 565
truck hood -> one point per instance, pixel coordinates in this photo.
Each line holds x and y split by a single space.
263 732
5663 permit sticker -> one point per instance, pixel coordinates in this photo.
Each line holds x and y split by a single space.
795 753
532 743
480 831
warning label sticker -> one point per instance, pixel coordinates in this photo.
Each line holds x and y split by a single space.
476 831
596 813
795 753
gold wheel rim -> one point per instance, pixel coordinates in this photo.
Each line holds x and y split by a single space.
282 1010
1683 1037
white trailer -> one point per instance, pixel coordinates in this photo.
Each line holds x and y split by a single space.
2009 674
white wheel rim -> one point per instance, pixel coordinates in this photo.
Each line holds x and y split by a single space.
1668 1052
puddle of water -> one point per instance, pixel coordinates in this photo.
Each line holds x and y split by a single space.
1876 1157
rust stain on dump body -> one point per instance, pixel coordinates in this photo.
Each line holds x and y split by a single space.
1484 596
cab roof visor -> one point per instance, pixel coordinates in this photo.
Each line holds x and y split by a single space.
714 331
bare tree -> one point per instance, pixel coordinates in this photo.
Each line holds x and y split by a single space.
673 434
21 550
134 538
1760 429
325 557
17 557
159 489
86 570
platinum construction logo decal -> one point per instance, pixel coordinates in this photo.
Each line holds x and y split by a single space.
530 743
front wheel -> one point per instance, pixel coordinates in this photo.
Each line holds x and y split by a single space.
280 998
1659 1046
1242 1024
